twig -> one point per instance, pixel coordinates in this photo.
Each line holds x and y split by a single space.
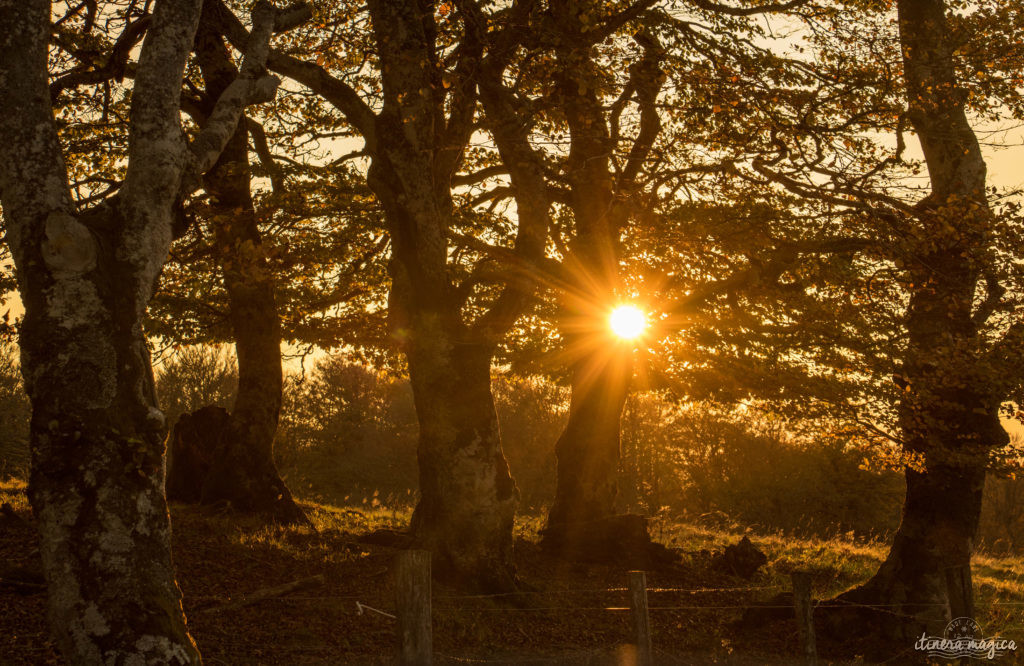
268 593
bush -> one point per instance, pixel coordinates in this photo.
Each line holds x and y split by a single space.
348 434
15 413
196 376
699 460
1001 529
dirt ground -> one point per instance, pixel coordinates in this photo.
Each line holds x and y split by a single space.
572 614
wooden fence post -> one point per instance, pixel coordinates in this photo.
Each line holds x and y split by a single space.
412 596
805 615
641 618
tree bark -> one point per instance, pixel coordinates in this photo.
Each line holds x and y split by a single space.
949 413
242 469
467 496
96 483
86 277
940 519
584 514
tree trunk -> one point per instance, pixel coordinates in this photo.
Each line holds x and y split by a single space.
940 519
948 415
583 521
85 278
97 490
242 470
467 496
96 484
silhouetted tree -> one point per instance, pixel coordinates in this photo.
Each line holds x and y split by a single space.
85 275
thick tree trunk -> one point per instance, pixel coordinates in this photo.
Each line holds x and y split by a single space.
583 521
467 496
242 470
97 492
86 277
948 415
935 539
96 484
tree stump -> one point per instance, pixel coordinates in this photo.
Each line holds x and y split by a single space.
195 440
211 462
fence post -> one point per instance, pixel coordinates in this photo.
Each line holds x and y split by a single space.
805 615
641 618
412 596
960 592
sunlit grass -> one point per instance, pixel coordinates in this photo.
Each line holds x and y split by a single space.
837 564
12 492
840 563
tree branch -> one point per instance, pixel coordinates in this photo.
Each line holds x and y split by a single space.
115 66
157 152
313 76
729 10
252 86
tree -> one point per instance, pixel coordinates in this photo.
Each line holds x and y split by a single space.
627 117
897 314
240 446
85 276
954 384
416 120
586 281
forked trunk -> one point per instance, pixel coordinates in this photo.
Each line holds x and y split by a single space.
583 521
240 449
467 497
86 277
96 483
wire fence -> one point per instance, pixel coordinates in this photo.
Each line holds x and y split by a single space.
415 607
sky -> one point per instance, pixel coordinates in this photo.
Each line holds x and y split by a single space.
1003 147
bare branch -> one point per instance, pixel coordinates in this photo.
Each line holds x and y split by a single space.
313 76
251 86
767 8
115 66
157 153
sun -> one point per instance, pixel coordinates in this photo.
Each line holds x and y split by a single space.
627 321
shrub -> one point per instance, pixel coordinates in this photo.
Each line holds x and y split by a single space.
348 434
15 413
196 376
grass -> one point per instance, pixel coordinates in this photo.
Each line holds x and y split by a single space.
571 617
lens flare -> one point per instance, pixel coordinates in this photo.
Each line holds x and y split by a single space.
627 321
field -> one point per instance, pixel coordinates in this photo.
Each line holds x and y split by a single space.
568 613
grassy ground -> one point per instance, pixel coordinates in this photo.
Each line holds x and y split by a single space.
574 615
